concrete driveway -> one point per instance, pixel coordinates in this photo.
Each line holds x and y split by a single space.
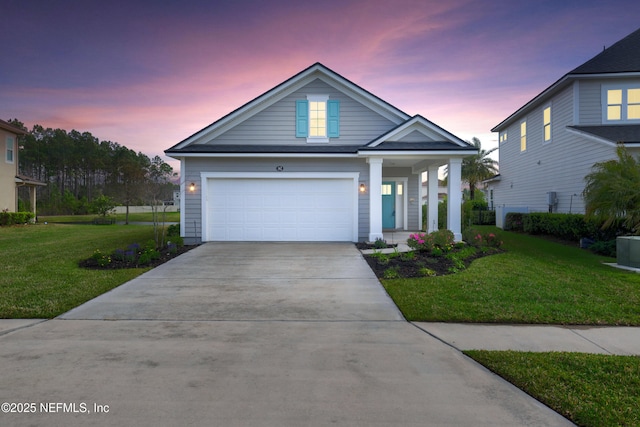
251 334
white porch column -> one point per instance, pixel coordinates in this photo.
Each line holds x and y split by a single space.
375 199
432 198
454 197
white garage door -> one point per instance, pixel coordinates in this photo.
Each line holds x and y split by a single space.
276 209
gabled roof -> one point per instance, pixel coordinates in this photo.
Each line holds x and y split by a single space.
434 135
621 58
285 88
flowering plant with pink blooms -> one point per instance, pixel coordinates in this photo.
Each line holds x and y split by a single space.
441 241
479 239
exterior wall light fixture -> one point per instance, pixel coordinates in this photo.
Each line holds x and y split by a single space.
192 187
362 188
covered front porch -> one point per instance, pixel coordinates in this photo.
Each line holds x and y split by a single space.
395 212
403 155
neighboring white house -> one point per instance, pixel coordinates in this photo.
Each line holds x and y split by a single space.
549 145
316 158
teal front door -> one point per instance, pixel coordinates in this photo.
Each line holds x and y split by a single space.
388 205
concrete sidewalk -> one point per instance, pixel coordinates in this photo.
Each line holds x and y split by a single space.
537 338
613 340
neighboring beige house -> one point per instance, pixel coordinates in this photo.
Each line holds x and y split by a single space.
550 144
10 179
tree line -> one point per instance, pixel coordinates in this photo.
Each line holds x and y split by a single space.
78 168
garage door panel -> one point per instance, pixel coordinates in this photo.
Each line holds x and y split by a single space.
280 209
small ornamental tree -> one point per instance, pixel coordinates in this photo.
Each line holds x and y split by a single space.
103 205
612 191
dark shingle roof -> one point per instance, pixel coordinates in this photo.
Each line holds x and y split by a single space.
267 149
628 134
317 148
621 57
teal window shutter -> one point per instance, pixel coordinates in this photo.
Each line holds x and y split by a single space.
333 118
302 119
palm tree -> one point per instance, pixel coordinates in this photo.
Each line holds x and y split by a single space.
478 167
612 190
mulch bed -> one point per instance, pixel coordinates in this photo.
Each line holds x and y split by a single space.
411 268
165 256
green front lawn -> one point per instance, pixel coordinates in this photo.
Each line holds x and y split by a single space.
535 281
590 389
39 272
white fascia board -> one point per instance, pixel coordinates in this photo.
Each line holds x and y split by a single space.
412 154
288 155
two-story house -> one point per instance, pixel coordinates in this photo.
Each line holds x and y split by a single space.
10 179
316 158
9 166
550 144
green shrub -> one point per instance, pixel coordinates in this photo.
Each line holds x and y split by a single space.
173 230
480 239
176 240
379 244
483 217
606 248
15 218
391 273
514 221
564 226
437 242
443 239
427 272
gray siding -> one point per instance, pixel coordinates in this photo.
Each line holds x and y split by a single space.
590 105
193 168
559 165
415 136
276 123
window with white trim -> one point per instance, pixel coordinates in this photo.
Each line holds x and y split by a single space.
10 144
621 103
523 136
318 118
546 120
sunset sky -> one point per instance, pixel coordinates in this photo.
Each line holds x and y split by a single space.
149 73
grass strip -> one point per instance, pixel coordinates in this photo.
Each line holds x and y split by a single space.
592 390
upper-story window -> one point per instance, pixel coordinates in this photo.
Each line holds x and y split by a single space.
523 136
10 148
503 136
318 118
546 120
621 103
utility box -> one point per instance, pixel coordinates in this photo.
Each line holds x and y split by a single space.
628 251
552 198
